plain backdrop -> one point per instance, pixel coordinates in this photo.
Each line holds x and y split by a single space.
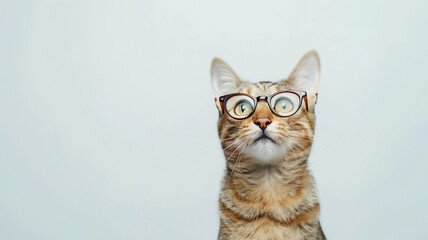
108 123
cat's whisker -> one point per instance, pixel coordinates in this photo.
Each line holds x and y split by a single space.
227 139
234 151
298 138
238 159
240 154
205 144
294 144
286 160
293 149
208 143
230 145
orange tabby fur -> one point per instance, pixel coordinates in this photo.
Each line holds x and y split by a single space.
274 198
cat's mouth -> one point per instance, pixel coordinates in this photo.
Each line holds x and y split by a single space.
264 138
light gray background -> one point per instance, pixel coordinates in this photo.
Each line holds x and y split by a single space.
108 124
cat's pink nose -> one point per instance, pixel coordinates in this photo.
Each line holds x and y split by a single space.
262 122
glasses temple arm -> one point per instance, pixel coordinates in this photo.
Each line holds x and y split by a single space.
221 100
306 102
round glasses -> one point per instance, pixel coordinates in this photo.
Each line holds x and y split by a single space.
284 104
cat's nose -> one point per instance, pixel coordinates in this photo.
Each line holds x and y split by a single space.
263 122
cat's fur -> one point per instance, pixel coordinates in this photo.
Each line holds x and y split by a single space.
267 191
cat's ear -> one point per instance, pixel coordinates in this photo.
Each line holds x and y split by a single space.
306 77
223 79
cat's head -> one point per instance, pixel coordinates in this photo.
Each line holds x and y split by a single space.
249 127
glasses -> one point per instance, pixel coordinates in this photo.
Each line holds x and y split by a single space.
284 104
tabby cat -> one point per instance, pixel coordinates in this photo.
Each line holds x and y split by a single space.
266 131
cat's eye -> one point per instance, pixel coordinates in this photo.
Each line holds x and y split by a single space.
243 108
283 104
240 106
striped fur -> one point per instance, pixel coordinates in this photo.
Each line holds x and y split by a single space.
273 198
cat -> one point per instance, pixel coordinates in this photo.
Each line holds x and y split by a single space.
266 130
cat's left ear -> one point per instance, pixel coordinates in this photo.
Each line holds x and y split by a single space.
223 80
306 77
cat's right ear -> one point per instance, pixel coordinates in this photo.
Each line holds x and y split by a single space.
223 80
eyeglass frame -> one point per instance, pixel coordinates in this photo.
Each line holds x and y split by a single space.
302 96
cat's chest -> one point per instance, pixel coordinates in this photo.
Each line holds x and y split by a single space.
266 229
270 190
